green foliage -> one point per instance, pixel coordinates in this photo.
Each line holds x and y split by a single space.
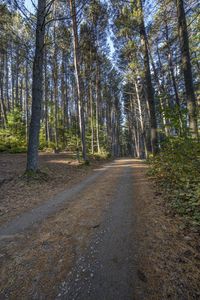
102 155
177 118
177 169
13 138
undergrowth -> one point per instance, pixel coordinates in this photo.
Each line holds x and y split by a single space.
177 170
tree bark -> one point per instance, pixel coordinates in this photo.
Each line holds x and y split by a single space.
27 102
149 87
37 89
2 98
46 92
91 117
78 77
187 68
97 106
141 119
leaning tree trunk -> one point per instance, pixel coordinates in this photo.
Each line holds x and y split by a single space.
187 69
37 89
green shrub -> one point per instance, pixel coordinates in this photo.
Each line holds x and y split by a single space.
177 169
13 138
102 155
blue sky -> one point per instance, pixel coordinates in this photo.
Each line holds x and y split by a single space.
29 5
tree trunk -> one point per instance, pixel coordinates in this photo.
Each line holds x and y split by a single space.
46 93
2 99
37 89
17 78
91 117
13 78
78 77
66 117
187 68
55 84
7 82
26 102
149 87
144 146
55 80
97 106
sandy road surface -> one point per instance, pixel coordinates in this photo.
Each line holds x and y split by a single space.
80 244
106 236
108 269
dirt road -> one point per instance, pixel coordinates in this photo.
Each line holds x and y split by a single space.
103 260
107 269
106 237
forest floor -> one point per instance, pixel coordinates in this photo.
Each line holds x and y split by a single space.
61 171
108 235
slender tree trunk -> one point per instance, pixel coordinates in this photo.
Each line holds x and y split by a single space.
64 97
113 132
55 83
13 78
137 147
108 122
187 68
17 78
37 89
66 118
55 80
7 82
97 106
91 104
2 98
63 102
21 93
149 87
141 119
46 93
91 117
78 77
26 102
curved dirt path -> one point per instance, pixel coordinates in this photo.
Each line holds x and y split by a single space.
38 214
93 224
